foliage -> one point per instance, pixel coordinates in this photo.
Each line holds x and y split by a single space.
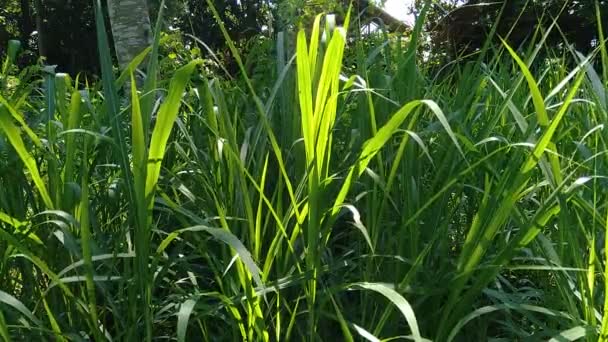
65 30
381 201
461 27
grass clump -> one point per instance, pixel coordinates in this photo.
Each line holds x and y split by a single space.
385 201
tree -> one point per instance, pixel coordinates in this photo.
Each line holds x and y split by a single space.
461 27
131 30
66 37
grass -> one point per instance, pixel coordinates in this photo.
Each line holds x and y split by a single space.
311 201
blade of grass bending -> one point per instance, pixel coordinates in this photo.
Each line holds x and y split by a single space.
14 136
541 112
16 304
136 62
19 118
18 225
532 55
22 249
224 236
545 141
374 144
500 307
183 316
573 334
365 334
402 304
164 124
162 130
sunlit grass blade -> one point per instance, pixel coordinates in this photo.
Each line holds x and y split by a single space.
14 136
19 227
373 146
73 122
164 124
541 111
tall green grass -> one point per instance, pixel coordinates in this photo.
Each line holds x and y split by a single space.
315 201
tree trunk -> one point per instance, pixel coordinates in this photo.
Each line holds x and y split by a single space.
25 23
131 30
40 27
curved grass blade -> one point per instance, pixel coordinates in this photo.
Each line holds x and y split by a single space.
164 124
18 225
14 136
572 334
398 300
224 236
365 334
183 316
18 305
500 307
373 145
541 114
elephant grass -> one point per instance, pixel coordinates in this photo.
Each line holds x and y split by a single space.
396 200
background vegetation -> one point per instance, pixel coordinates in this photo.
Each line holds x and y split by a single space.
309 178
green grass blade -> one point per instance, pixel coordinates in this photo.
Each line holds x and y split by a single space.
183 316
572 334
18 225
86 241
545 141
399 301
14 136
224 236
164 124
16 304
70 147
373 145
305 93
4 329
